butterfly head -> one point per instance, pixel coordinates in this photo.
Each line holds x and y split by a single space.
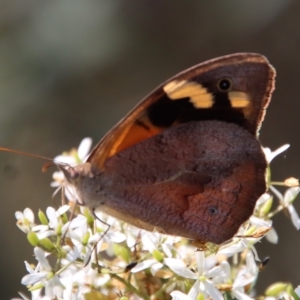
86 184
74 174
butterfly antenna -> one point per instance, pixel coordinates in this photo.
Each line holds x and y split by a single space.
26 154
51 162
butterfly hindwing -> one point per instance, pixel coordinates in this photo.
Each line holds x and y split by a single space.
198 180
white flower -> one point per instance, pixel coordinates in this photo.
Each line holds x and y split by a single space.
61 183
153 264
54 225
262 199
272 236
25 220
84 239
43 274
91 278
271 155
206 280
286 201
204 283
297 291
151 242
72 158
246 275
242 241
177 295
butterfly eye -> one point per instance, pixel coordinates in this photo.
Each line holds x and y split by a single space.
224 85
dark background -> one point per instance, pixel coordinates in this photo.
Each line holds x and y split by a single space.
71 69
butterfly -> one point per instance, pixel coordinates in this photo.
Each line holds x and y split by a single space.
186 161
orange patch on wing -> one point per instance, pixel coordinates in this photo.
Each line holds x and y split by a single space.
133 135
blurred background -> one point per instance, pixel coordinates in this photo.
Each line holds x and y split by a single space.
71 69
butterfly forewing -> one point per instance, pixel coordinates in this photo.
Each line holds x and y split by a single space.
197 94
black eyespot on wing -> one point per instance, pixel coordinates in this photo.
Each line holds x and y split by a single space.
212 210
224 85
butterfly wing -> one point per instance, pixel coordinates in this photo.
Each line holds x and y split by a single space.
186 160
198 180
219 89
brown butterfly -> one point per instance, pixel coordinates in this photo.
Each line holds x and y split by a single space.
186 160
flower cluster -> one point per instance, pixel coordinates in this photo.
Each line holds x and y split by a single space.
79 258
